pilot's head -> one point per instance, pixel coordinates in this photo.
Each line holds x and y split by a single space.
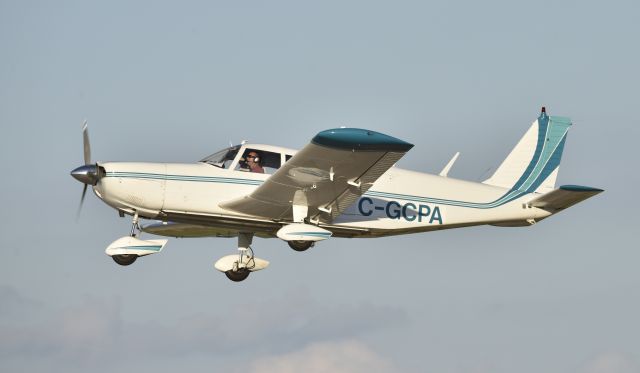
253 157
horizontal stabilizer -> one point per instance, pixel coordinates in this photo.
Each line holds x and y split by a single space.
563 197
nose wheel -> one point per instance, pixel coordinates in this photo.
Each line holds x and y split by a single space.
129 259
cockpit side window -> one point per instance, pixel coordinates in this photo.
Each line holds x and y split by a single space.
259 161
223 158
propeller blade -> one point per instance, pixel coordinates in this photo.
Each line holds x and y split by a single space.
85 140
84 193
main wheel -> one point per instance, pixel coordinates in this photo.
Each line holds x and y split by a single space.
237 276
300 245
125 259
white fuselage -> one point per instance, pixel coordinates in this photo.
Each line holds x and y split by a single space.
400 201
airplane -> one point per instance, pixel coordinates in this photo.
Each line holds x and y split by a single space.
344 183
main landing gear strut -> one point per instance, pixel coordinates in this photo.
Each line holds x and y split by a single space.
238 267
245 263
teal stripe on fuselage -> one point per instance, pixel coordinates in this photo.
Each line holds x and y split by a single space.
552 133
205 179
404 197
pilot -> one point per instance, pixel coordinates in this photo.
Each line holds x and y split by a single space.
253 161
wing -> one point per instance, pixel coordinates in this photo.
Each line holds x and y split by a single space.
326 176
564 197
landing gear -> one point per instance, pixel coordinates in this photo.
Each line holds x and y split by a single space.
238 267
135 225
126 250
245 263
128 259
125 259
300 245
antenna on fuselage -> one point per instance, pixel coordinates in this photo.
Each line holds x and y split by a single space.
445 170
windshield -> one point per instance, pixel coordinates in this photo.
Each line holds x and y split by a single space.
223 158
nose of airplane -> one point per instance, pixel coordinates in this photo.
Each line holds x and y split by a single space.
86 174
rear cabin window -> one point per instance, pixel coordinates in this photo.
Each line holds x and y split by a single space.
259 161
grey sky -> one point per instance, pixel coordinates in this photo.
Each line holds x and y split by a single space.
177 81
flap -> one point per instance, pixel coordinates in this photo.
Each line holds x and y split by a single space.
563 197
327 175
171 229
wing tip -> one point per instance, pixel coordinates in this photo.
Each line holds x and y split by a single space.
360 139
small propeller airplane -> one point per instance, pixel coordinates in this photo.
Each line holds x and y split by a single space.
342 184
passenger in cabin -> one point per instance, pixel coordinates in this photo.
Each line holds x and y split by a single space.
254 162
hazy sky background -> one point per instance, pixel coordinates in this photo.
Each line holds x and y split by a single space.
177 81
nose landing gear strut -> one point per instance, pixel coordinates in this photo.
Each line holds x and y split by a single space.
126 250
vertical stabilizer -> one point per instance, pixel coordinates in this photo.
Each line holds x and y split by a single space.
532 166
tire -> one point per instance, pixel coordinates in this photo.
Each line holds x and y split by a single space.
239 275
125 259
300 245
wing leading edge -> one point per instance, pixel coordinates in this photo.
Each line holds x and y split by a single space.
325 177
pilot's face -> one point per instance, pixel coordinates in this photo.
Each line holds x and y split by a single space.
251 157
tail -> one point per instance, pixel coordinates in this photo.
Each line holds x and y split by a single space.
532 166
